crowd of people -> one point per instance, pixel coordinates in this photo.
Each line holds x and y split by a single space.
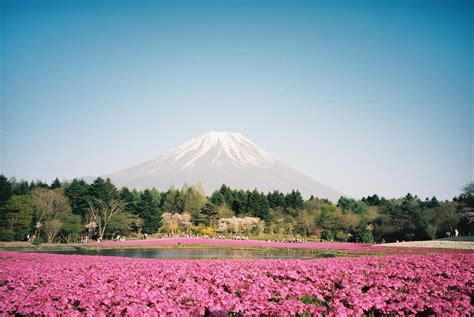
85 239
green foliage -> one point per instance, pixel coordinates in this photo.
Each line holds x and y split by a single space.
432 222
194 199
307 299
209 214
327 235
37 241
169 201
276 199
103 190
350 204
217 198
149 210
55 184
19 215
372 218
71 227
79 195
124 223
373 200
367 237
5 190
294 200
258 205
467 196
6 234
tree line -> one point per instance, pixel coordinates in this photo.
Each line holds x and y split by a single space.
63 211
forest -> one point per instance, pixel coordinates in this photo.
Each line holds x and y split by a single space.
63 211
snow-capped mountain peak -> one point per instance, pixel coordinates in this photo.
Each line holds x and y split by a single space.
217 158
219 148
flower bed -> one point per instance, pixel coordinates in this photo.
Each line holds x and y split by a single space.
236 243
71 284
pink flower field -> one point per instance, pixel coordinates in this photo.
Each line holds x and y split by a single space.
236 243
51 284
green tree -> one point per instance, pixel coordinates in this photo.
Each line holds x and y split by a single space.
71 227
5 190
259 206
102 213
432 222
169 200
50 204
306 223
217 198
20 188
373 200
466 197
55 184
103 190
149 210
79 196
227 193
276 199
294 200
16 217
209 214
124 223
349 204
449 215
131 198
194 199
466 206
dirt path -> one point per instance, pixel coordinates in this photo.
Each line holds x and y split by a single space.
464 245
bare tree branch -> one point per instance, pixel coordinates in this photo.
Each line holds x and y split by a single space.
102 212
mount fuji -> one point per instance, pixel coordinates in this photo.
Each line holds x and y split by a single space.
217 158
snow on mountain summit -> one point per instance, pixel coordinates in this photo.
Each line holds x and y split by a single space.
222 148
217 158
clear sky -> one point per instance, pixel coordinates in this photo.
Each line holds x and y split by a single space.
366 97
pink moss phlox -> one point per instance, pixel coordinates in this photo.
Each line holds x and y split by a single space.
49 284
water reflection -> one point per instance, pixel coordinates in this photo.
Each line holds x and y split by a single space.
195 253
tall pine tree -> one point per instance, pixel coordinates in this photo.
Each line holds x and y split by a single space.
149 210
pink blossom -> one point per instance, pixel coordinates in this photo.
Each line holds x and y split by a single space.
35 284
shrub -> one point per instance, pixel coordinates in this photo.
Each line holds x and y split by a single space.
7 235
327 235
342 236
37 241
367 237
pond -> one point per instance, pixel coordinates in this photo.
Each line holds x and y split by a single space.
197 253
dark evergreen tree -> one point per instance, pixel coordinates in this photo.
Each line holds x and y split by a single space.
5 190
103 190
294 200
131 198
180 201
40 184
55 184
149 210
259 206
21 188
79 196
276 199
227 194
209 214
217 198
350 204
373 200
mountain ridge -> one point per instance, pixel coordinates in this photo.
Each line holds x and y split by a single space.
217 158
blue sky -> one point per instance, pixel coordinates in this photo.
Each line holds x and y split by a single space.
366 97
